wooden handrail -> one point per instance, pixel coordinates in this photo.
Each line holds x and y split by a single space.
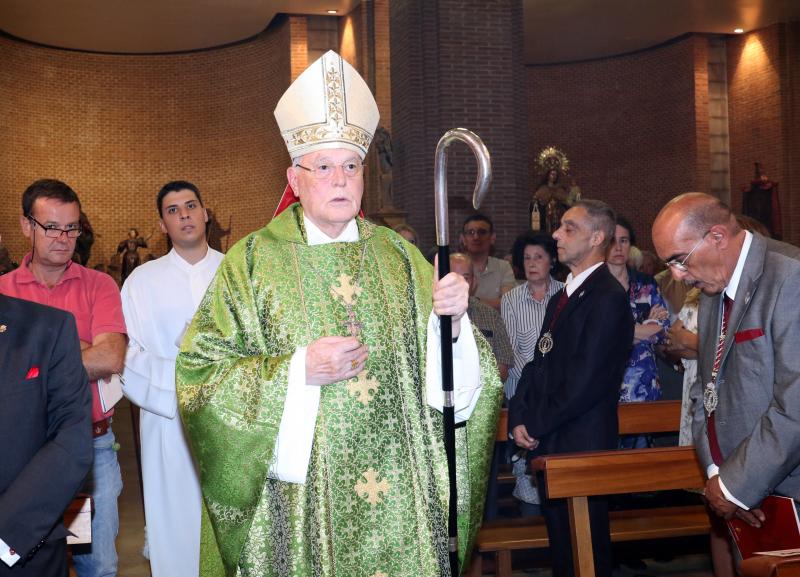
634 418
616 472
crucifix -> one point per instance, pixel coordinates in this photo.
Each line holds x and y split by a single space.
348 292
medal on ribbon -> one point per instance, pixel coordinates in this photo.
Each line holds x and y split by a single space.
710 398
546 343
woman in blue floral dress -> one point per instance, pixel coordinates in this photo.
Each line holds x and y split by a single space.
650 314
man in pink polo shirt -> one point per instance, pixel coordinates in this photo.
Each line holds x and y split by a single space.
51 220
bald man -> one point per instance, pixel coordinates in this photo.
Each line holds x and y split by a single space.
747 397
488 320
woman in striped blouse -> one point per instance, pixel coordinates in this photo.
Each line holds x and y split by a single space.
523 307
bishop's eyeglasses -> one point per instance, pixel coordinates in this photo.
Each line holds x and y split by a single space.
324 170
52 231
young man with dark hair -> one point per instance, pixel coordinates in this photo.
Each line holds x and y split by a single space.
159 299
175 186
47 275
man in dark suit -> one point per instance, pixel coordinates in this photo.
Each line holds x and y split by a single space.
566 400
747 397
46 434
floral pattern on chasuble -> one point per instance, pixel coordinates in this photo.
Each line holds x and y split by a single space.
376 491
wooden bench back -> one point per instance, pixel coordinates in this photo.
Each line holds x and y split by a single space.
616 472
576 476
634 418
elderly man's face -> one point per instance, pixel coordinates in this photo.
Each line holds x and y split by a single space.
333 201
704 266
574 238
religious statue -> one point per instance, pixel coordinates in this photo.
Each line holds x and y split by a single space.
383 145
549 201
130 246
6 264
574 192
760 201
83 244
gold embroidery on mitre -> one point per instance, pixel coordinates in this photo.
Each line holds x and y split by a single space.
335 128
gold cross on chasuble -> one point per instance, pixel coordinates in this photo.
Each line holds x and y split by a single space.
370 488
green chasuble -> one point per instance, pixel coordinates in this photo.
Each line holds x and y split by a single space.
374 503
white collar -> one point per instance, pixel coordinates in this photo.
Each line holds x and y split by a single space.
315 236
574 284
733 284
183 264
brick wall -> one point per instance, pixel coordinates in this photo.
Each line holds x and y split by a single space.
634 127
764 114
298 41
458 63
116 128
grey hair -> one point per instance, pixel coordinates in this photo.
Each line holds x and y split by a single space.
601 218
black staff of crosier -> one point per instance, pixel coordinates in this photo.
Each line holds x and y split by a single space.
442 240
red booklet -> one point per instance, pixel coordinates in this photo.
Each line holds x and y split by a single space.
781 530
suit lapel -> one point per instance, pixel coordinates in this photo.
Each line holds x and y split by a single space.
578 297
748 284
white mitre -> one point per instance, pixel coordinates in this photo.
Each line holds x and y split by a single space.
328 106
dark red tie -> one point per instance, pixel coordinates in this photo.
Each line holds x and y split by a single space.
562 302
713 443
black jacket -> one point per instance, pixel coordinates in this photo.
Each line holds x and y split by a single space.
45 430
568 397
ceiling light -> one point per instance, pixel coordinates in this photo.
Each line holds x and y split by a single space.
332 11
738 30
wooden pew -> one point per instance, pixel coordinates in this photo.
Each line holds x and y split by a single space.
579 475
634 418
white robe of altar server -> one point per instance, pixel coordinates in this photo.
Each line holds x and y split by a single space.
159 300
